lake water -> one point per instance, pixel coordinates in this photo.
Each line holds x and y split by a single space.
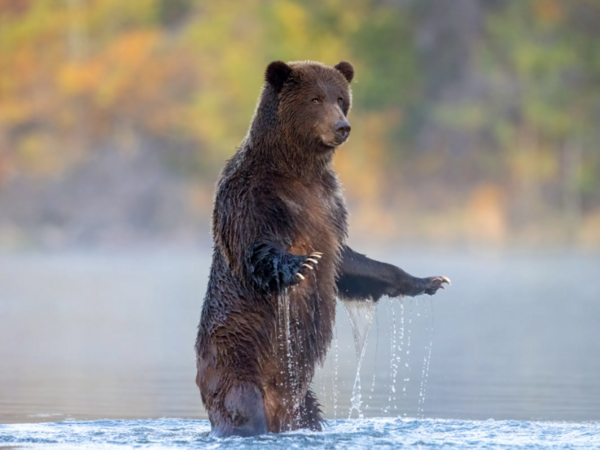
509 355
384 433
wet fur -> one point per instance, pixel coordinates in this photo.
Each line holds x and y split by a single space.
277 201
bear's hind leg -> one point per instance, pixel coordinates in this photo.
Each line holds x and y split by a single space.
244 413
311 416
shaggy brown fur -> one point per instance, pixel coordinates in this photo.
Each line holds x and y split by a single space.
279 260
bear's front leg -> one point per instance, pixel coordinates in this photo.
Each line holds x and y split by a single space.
274 270
361 278
405 284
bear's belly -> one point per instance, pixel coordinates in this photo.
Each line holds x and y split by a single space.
312 301
305 319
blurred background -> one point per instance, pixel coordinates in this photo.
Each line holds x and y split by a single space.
474 121
474 154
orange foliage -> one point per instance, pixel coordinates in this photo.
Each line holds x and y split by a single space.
73 73
589 236
549 11
485 214
118 70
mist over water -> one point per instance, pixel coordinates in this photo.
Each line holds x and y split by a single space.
90 337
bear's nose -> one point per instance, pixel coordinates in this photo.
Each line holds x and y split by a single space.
343 128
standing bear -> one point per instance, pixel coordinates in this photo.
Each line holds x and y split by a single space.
280 258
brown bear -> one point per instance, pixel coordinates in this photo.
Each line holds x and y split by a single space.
280 258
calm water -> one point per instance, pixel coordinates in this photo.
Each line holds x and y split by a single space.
515 339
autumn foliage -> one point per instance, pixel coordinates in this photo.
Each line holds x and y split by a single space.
472 121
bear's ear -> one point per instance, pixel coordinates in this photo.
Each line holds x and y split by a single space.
277 73
346 69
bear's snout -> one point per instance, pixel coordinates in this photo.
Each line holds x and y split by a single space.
342 130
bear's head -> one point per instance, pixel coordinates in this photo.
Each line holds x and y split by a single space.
313 102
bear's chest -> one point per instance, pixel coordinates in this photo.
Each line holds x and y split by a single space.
315 218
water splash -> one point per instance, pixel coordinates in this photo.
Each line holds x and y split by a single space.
340 434
361 319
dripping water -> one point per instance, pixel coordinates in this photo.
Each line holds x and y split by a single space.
285 341
361 319
375 364
408 341
426 359
336 360
297 371
393 360
399 349
405 379
396 353
321 383
290 345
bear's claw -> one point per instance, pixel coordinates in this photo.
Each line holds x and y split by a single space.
435 283
309 263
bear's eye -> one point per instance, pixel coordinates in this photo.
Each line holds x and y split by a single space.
316 101
341 101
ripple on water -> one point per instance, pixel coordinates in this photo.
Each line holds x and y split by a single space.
348 434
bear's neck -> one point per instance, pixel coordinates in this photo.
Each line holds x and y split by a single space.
294 159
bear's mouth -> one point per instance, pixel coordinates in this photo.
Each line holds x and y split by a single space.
330 145
339 140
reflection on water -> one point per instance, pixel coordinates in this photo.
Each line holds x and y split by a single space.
105 336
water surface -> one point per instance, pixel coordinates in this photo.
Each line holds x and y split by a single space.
515 339
343 434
